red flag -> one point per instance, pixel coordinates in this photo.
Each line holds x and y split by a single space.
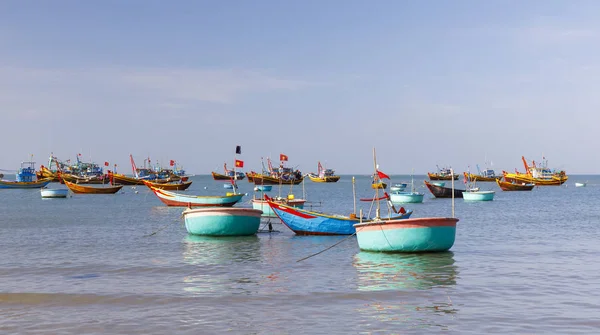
172 163
105 163
382 175
239 163
78 154
283 157
465 180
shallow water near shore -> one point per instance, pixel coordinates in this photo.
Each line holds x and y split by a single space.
522 263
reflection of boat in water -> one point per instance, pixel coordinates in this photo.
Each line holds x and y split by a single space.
241 252
382 271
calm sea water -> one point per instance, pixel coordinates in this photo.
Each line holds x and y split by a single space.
526 262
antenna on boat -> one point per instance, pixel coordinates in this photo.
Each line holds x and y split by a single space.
354 192
452 178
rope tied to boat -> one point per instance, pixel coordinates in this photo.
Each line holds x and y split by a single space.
165 226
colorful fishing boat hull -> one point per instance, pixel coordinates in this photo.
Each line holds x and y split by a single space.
267 180
512 186
477 177
406 197
79 189
26 184
443 192
436 176
408 235
325 179
303 222
478 195
184 200
214 221
180 186
121 179
54 192
263 205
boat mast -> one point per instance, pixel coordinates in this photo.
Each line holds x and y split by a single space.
376 179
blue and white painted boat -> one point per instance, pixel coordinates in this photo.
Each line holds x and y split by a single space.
303 222
398 187
406 197
478 195
263 205
263 188
54 192
25 178
220 221
408 235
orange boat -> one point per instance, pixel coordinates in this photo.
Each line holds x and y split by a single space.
539 175
169 186
513 186
79 189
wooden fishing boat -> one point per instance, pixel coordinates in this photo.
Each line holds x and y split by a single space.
303 222
538 175
443 192
219 221
408 235
442 174
121 179
250 176
260 179
229 174
513 186
180 186
323 175
45 173
79 189
412 197
54 192
183 200
478 177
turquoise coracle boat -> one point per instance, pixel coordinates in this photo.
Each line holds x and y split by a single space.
222 221
478 195
408 235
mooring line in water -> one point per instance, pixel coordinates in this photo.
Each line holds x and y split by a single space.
164 227
322 251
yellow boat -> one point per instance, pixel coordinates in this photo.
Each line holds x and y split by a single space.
538 175
380 185
477 177
323 175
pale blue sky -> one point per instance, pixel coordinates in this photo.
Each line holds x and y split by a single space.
426 82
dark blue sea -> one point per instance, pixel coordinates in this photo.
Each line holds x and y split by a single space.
525 263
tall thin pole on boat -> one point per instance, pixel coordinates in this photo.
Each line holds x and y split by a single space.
354 192
376 178
452 177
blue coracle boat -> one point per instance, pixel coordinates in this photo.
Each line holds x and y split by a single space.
303 222
221 221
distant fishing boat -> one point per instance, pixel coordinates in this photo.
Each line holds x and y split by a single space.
408 235
442 191
580 184
398 187
323 175
263 188
54 192
263 205
442 174
229 174
513 186
80 189
472 192
414 197
178 186
26 178
220 221
183 200
539 175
